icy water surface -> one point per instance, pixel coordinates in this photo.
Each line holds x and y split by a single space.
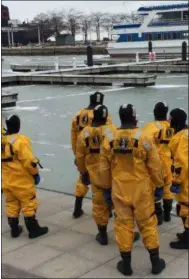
46 112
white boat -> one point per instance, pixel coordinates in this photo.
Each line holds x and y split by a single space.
166 26
8 100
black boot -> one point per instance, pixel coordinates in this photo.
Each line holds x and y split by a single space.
78 211
157 264
183 242
110 214
167 206
124 266
159 213
15 228
179 235
136 236
33 227
102 236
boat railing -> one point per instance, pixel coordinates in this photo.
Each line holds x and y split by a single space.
168 22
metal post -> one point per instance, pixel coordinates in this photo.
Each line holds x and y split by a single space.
56 64
150 46
137 57
12 36
74 63
89 56
184 51
8 32
39 35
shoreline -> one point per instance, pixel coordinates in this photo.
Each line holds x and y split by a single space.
55 50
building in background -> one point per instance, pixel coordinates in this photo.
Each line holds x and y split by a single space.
4 16
64 40
14 33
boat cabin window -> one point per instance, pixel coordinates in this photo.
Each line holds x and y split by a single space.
149 37
178 35
175 15
186 35
174 35
129 38
166 36
159 37
185 15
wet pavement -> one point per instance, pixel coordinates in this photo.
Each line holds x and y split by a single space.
70 250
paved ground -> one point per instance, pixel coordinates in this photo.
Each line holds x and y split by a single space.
70 249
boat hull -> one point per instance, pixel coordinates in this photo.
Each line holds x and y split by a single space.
160 48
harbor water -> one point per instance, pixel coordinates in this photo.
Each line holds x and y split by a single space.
46 113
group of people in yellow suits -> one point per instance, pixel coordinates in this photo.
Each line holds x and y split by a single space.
131 171
134 173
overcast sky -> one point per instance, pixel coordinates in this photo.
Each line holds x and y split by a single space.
24 10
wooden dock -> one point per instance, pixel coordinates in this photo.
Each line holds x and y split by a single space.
124 74
73 79
159 66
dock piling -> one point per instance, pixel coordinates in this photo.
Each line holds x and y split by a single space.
74 63
89 56
184 50
137 57
150 47
56 64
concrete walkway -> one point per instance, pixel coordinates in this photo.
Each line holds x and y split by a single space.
70 249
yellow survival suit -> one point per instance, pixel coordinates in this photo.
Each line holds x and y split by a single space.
179 150
82 119
161 134
87 157
20 173
129 164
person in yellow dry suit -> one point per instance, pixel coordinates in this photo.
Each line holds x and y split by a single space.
3 130
20 174
179 150
87 158
3 133
129 163
82 119
161 133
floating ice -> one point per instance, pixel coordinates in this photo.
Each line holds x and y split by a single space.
160 86
45 170
26 108
65 146
27 101
181 76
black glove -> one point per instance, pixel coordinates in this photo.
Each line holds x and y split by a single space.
158 194
108 197
85 179
175 188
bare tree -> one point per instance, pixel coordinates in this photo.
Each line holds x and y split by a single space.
109 21
57 21
129 18
134 17
124 18
98 19
86 26
77 22
73 21
43 25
